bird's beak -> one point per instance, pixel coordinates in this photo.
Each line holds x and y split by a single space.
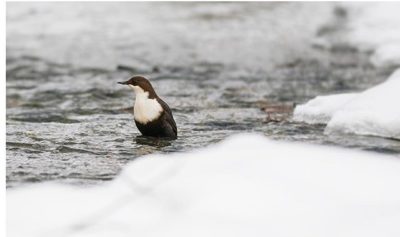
123 83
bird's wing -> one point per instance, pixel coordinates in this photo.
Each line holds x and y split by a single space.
168 115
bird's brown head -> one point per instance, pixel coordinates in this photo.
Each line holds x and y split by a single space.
140 84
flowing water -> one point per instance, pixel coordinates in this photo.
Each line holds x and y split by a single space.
215 64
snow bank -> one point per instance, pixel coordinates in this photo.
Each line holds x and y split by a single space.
245 186
386 55
376 27
373 27
321 108
375 111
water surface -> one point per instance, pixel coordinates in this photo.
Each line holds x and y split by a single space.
215 64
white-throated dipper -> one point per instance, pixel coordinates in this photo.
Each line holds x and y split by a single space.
152 115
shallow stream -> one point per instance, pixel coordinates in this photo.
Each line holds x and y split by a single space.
216 64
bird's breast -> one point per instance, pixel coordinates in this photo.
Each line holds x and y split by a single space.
146 110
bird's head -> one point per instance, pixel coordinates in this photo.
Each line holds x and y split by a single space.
140 85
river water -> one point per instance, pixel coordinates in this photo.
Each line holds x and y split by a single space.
215 64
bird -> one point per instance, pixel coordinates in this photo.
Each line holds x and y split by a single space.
152 115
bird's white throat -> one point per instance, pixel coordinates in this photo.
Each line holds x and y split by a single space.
145 109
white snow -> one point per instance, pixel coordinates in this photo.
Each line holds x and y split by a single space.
320 109
375 111
387 55
373 27
376 27
245 186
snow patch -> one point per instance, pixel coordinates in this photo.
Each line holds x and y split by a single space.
245 186
375 111
321 109
376 27
372 27
387 55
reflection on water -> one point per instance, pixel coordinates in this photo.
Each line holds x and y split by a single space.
153 142
216 65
